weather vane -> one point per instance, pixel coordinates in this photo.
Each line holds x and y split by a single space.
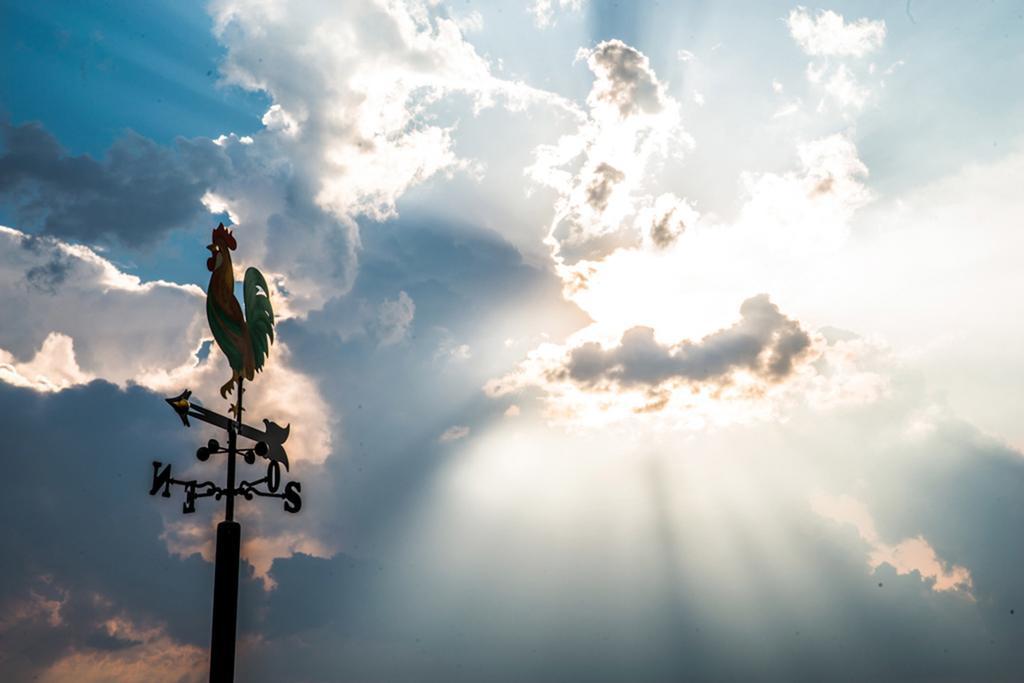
245 340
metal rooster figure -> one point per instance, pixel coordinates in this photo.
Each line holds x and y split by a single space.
245 341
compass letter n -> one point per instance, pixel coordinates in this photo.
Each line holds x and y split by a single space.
161 478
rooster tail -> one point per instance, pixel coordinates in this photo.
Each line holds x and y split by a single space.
259 315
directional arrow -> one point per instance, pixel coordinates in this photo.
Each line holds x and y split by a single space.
274 435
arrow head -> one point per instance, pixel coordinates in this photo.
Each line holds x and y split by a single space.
181 405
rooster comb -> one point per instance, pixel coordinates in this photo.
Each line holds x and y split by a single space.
222 235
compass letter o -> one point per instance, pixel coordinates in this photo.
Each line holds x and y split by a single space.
273 476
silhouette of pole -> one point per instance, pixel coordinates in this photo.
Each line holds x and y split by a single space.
225 573
245 342
269 444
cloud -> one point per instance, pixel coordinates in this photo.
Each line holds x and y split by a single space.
139 655
632 255
337 143
644 534
839 85
623 80
543 11
364 107
599 171
809 208
909 555
669 554
752 371
472 290
394 319
764 342
53 368
386 321
94 321
667 219
136 194
828 34
602 184
454 433
845 90
120 327
94 582
363 131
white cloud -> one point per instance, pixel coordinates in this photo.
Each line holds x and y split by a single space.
786 221
394 319
80 318
120 326
365 99
786 110
544 11
52 368
844 89
451 350
600 171
471 21
946 251
632 260
358 85
908 555
812 206
454 433
828 34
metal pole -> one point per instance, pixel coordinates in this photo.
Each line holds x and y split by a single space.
225 603
225 573
229 512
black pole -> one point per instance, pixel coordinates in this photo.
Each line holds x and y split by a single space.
225 603
225 573
229 510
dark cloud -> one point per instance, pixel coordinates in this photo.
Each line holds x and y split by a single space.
48 277
699 595
666 228
625 79
688 587
135 194
577 242
764 341
602 184
82 530
469 286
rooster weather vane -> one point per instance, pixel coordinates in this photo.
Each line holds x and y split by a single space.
245 341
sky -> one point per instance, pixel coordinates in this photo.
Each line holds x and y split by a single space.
619 341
